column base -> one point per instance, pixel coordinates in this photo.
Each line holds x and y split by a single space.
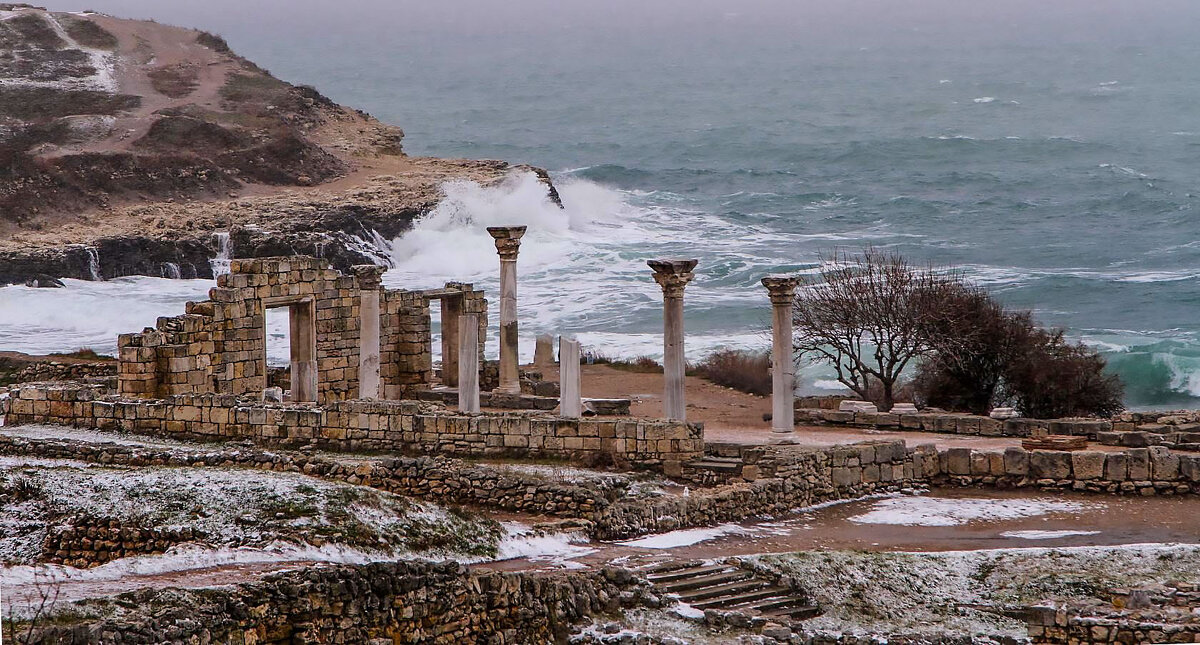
784 438
508 389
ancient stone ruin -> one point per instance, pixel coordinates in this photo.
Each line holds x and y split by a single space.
350 338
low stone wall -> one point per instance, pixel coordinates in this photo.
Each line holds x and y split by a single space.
784 481
401 602
1171 622
940 422
1144 471
439 479
90 542
360 425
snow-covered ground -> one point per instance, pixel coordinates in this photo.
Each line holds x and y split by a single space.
932 593
231 507
935 511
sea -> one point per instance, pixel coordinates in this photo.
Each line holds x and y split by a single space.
1050 150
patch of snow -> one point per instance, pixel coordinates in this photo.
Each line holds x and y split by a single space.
186 558
1044 535
687 611
934 511
557 548
685 537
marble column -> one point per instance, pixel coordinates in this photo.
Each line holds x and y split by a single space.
368 276
468 363
508 243
673 276
569 380
782 290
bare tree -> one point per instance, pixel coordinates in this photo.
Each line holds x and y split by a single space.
869 315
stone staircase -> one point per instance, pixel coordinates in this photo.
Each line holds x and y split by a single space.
728 587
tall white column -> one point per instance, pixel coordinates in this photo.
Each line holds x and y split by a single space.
508 243
468 363
782 290
569 380
368 276
673 276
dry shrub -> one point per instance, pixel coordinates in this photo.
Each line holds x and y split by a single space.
639 365
748 372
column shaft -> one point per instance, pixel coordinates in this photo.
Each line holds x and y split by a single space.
569 379
468 363
673 276
510 379
782 290
451 312
303 352
368 345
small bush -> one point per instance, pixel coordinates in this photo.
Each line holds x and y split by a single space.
639 365
748 372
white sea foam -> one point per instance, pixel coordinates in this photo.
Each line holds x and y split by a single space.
985 99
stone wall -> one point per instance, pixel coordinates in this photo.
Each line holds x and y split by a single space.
219 345
400 602
436 478
358 426
1143 471
90 542
1167 615
783 481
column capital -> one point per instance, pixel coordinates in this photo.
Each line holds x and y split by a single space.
369 275
508 240
673 275
781 288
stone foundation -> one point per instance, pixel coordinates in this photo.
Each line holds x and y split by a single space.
362 426
401 602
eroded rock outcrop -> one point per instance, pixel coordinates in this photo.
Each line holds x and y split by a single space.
126 145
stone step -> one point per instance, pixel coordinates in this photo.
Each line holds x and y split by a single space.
719 591
717 464
766 593
686 572
656 570
706 581
800 612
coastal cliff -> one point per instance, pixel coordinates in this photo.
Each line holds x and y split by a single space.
130 147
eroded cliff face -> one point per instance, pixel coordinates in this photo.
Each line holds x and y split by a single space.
143 144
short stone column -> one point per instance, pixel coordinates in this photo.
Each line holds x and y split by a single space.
782 290
302 323
570 384
543 351
508 243
369 277
673 276
468 363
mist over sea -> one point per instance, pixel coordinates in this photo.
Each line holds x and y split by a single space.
1052 150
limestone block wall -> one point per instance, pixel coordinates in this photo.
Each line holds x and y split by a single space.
359 425
219 345
385 602
406 338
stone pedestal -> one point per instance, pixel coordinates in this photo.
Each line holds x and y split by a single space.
468 363
508 243
673 276
369 276
782 290
570 385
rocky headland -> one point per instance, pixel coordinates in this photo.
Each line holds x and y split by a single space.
131 147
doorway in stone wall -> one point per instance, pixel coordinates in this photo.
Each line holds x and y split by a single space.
291 340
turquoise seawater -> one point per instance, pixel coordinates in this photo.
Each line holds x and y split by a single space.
1050 149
